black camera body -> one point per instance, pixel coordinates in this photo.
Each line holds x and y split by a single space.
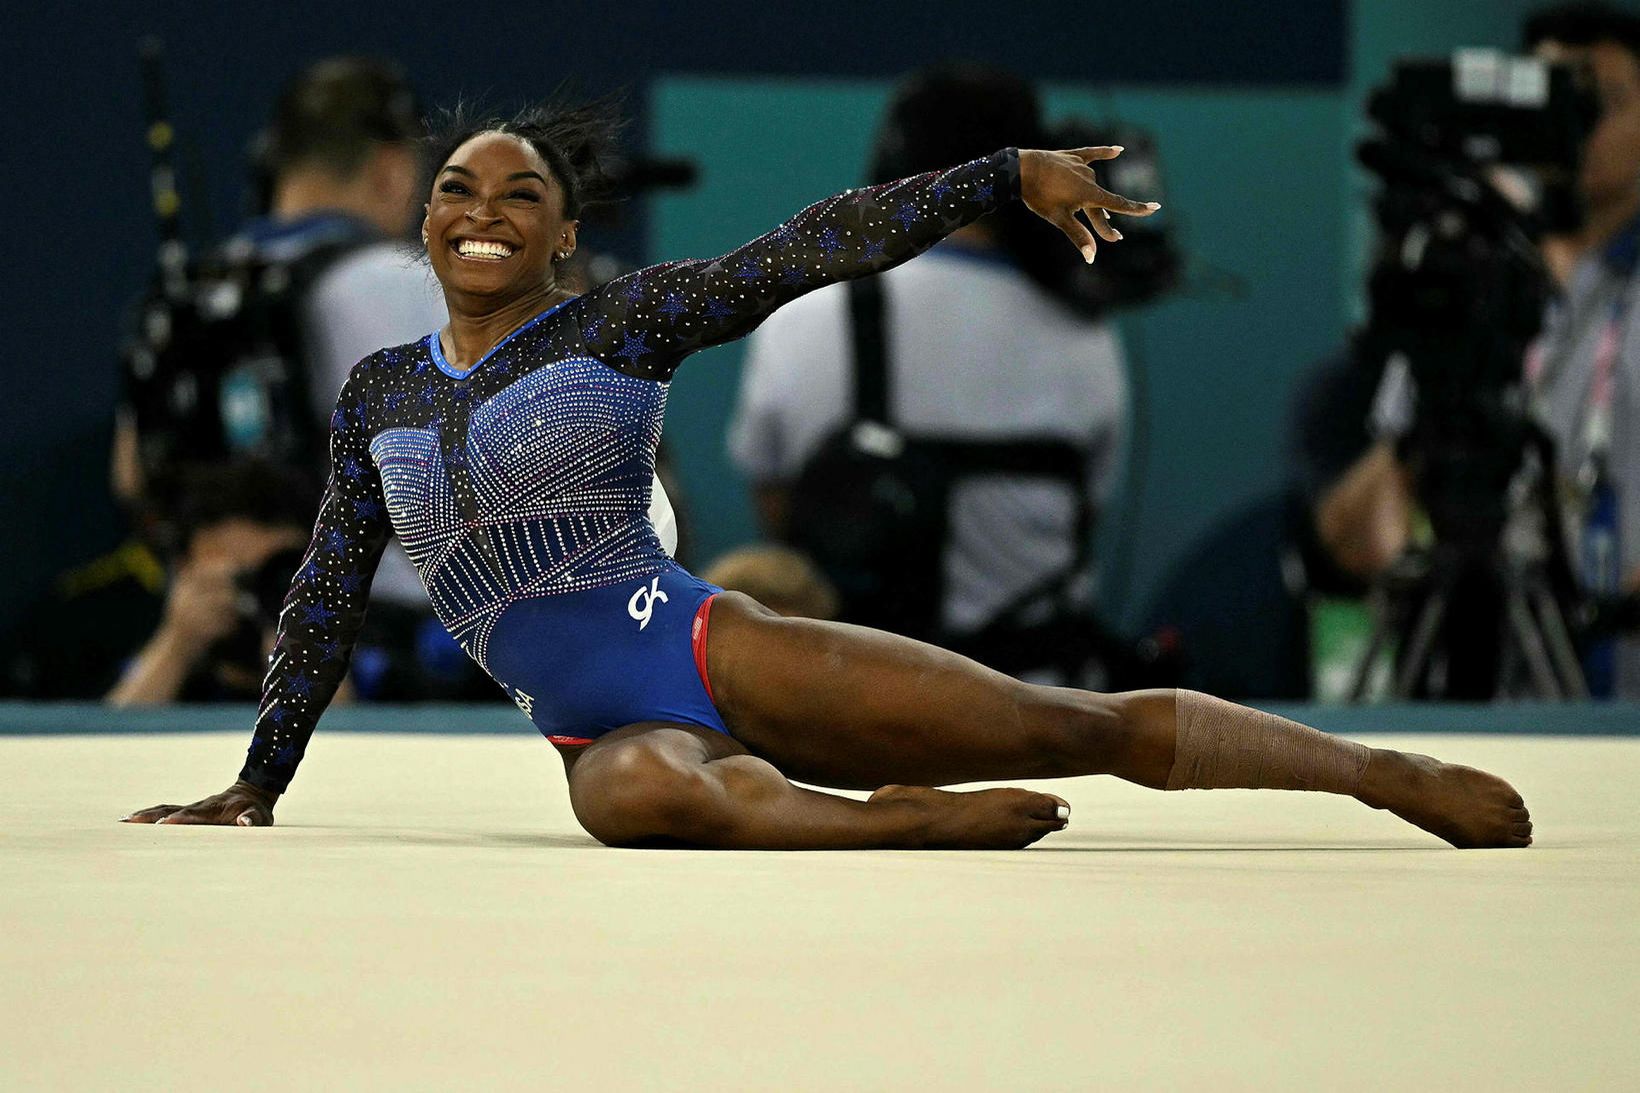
1458 290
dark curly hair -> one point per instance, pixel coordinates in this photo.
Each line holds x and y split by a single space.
576 139
1584 23
336 112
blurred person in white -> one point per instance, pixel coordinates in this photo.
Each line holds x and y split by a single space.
977 352
1583 372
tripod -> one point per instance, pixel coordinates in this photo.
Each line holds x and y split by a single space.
1502 578
1532 641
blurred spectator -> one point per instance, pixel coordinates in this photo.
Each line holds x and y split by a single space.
341 173
193 629
976 353
779 578
1583 373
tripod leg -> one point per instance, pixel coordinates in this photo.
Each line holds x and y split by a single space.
1524 628
1381 624
1552 625
1416 662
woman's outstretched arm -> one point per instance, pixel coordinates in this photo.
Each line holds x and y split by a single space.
318 624
647 321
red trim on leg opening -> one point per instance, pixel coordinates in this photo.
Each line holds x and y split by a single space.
697 641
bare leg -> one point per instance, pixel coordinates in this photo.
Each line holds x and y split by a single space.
659 785
845 706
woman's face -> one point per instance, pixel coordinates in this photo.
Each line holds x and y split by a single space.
495 219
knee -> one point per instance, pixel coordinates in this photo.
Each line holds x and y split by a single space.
637 793
1084 732
1070 730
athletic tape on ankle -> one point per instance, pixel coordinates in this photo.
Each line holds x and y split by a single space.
1220 745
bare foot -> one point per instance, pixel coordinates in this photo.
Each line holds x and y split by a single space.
987 819
1464 806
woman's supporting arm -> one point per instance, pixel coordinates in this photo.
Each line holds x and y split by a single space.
325 607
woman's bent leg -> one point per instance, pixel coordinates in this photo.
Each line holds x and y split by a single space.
662 785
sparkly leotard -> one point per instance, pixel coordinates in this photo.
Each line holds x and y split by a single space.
523 482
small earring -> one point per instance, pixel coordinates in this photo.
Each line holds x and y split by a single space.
424 239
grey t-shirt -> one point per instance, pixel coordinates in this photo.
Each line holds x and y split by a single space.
979 353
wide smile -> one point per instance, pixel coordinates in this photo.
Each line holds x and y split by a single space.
483 250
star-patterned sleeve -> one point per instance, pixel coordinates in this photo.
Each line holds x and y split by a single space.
646 322
325 606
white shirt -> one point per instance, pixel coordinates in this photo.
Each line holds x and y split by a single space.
976 352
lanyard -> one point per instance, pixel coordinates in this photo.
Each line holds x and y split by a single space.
1597 418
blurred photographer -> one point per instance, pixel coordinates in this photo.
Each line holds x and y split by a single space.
194 627
939 439
242 529
239 352
1579 380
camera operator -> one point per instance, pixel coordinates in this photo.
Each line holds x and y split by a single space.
242 529
339 171
193 627
1582 373
975 352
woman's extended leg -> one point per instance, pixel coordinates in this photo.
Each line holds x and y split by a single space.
846 706
659 784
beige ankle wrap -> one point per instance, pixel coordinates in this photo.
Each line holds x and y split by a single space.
1220 745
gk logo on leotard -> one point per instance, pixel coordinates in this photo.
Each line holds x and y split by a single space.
642 603
525 702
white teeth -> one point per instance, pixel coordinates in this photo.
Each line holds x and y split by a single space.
475 248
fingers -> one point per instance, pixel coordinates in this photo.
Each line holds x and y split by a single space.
1077 233
1100 219
1103 198
1098 151
150 815
189 815
1116 203
237 813
217 814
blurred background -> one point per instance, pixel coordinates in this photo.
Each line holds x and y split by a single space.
1205 548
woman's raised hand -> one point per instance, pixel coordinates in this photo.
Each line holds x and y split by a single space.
1055 185
241 804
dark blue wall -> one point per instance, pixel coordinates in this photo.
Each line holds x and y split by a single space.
80 236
